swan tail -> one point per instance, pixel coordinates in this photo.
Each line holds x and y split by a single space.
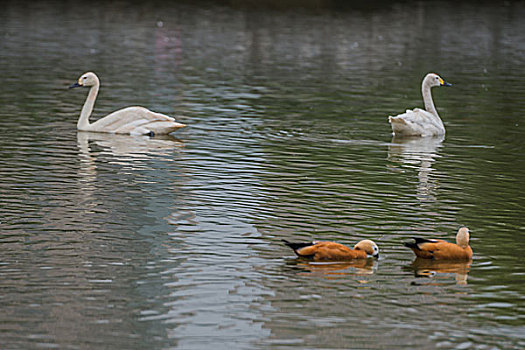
146 127
398 120
163 128
399 125
141 131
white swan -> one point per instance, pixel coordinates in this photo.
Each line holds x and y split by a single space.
421 122
130 120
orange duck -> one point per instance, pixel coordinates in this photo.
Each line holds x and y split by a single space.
331 251
439 249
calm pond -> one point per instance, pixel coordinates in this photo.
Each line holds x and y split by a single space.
120 242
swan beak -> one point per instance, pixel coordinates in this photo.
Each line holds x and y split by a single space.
75 85
444 83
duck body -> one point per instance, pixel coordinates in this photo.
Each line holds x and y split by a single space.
331 251
421 122
131 120
439 249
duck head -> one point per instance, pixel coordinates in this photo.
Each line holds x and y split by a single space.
462 237
369 247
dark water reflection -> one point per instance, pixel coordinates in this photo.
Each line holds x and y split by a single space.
430 268
135 242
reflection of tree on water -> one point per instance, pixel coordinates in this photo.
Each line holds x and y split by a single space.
430 268
420 153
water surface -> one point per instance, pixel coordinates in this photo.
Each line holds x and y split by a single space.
135 242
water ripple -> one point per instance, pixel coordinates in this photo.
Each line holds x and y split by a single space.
176 242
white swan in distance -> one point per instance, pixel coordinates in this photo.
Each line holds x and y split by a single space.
421 122
130 120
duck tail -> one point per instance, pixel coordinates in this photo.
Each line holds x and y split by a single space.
417 242
297 245
411 245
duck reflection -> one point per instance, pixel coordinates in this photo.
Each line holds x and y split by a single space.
419 152
431 268
336 269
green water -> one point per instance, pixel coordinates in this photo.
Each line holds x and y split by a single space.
123 242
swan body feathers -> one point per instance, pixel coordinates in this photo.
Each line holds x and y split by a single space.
417 122
421 122
134 120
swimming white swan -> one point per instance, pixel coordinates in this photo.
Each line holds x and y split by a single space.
130 120
421 122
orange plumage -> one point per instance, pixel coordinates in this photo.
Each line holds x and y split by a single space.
331 251
439 249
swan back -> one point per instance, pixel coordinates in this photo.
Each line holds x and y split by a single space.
417 122
420 122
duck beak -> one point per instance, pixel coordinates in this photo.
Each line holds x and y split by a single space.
376 256
75 85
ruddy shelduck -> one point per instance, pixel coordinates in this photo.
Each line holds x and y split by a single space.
331 251
439 249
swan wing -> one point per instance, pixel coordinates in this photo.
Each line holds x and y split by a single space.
417 122
163 127
136 120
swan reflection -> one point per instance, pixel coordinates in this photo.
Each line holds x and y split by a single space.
122 148
432 268
419 153
107 162
128 146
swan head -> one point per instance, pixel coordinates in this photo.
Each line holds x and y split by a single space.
369 247
87 79
462 237
432 79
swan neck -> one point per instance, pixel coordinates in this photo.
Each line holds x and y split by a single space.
427 98
87 109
